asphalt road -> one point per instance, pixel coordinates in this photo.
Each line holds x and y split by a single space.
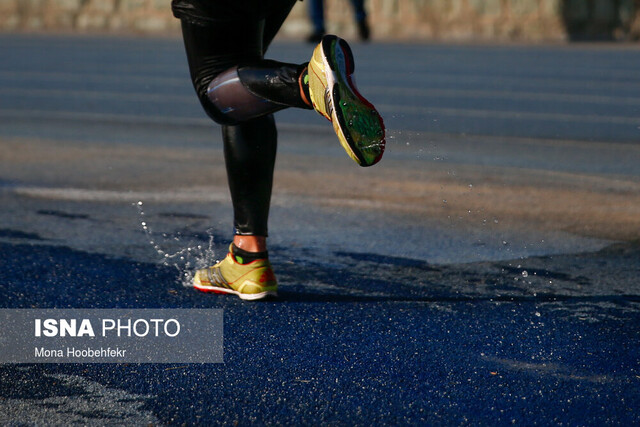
485 272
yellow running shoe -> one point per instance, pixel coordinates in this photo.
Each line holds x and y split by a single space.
334 95
251 281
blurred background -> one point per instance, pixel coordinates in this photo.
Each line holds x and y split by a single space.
390 19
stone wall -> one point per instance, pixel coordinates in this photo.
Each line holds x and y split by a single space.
143 16
390 19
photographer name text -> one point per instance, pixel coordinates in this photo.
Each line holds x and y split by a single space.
79 353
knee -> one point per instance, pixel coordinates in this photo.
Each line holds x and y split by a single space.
203 80
229 100
212 110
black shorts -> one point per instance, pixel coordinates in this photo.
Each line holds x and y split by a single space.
206 12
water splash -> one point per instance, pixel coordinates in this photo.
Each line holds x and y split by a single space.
414 142
187 260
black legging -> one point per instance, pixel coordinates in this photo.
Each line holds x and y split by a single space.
250 141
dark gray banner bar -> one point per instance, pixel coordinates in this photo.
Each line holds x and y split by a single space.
111 336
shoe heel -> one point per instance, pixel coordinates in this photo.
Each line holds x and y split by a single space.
331 41
348 56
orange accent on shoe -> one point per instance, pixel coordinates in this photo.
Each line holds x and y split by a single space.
302 94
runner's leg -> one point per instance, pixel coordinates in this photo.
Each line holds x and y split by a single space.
249 139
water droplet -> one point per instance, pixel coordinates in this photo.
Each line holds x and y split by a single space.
185 259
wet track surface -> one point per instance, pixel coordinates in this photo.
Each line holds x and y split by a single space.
486 272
